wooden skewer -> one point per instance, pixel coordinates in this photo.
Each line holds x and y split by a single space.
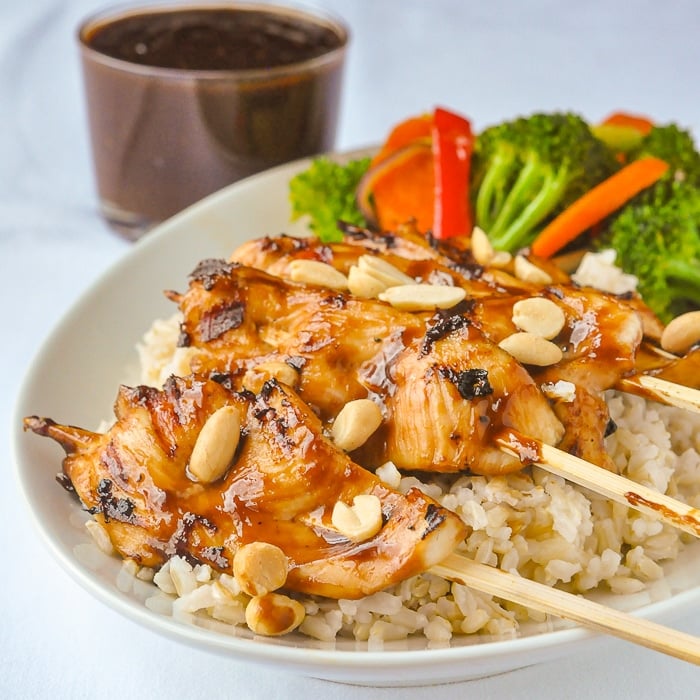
661 390
570 607
613 486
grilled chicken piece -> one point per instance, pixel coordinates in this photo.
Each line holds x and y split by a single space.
600 339
451 393
239 318
415 366
281 488
413 257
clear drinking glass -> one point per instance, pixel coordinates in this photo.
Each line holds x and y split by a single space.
185 98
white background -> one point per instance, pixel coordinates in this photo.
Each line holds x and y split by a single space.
489 60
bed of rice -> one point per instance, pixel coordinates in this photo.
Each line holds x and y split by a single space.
531 522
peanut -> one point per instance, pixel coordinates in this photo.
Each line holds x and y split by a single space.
531 349
317 273
216 445
256 376
383 271
372 275
529 272
355 423
539 316
274 614
681 333
260 567
363 284
482 250
361 520
423 297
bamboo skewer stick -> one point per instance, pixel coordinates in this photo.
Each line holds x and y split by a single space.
661 390
570 607
608 484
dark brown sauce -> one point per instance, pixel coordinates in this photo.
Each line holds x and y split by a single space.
212 39
162 142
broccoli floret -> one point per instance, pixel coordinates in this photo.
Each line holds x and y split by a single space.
657 238
677 147
528 170
326 193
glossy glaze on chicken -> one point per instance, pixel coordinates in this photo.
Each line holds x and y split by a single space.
280 488
290 355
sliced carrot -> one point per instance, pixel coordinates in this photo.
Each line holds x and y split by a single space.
404 134
599 202
634 121
401 188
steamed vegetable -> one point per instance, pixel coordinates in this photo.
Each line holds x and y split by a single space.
657 235
326 193
399 187
453 146
598 203
677 147
622 132
657 238
639 123
530 169
541 181
422 173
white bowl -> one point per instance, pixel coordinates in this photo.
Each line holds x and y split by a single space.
74 379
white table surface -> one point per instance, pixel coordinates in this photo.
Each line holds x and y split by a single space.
489 60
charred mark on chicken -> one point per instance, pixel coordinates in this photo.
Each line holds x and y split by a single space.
434 517
112 507
442 326
470 383
221 319
210 270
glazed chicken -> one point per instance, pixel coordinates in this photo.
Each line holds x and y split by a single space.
280 488
444 389
452 393
407 250
600 339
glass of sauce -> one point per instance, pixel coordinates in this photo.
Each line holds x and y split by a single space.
184 99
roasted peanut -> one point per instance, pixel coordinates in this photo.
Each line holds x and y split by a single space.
274 614
216 445
383 271
361 520
363 284
423 297
317 273
482 250
256 376
529 272
681 333
501 258
539 316
260 567
354 424
531 349
372 275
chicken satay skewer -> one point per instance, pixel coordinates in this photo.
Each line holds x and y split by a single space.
135 522
465 346
588 613
601 481
276 254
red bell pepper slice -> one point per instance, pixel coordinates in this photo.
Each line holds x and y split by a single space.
453 144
